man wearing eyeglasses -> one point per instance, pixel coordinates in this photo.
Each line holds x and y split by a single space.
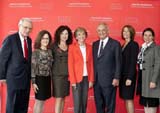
15 62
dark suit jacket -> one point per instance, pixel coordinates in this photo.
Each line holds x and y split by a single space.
129 60
14 67
108 65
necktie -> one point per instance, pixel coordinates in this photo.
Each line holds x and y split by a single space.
25 49
101 49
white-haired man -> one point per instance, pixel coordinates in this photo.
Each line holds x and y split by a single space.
15 62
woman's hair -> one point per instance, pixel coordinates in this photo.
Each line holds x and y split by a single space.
39 37
148 29
131 31
58 32
80 29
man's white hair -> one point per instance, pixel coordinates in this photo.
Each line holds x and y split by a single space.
24 19
104 24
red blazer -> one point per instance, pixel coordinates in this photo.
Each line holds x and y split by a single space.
75 63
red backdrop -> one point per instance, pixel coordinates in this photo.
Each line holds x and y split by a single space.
49 14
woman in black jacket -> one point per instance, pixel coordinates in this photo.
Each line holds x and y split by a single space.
130 51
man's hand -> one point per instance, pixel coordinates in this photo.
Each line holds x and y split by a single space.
128 82
115 82
3 81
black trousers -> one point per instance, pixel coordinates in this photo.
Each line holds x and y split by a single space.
17 100
105 98
80 96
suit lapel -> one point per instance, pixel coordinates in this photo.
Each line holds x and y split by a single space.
19 45
106 48
127 46
148 48
87 52
78 51
96 48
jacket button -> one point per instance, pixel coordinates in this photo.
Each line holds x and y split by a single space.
144 61
144 69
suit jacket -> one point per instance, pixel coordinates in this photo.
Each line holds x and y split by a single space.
108 65
75 63
14 67
129 60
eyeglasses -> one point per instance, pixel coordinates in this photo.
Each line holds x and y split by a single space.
45 38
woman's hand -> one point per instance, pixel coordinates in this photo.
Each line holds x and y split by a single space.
90 84
128 82
35 88
115 82
152 85
74 86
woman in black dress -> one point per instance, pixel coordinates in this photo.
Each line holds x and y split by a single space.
62 39
42 69
130 51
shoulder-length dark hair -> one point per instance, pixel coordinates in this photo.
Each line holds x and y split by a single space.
58 32
39 37
131 31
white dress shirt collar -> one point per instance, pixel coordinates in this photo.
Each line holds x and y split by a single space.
22 42
104 41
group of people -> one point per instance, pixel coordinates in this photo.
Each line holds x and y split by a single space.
56 65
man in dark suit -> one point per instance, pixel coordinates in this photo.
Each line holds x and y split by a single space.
107 68
15 62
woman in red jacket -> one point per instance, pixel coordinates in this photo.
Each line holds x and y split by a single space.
80 66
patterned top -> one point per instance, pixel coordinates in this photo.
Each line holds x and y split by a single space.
41 63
